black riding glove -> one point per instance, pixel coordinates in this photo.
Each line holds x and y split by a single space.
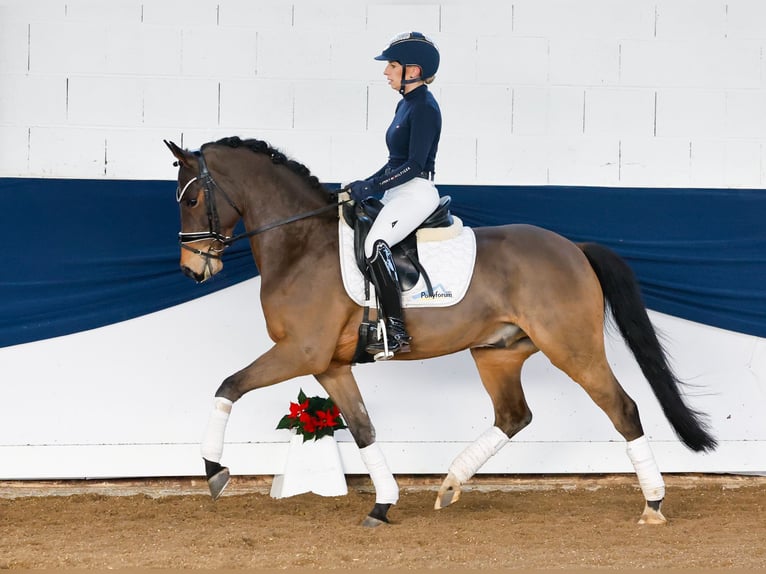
360 190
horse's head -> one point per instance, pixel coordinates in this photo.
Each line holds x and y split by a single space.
206 222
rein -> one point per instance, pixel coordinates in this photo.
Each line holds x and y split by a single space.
209 186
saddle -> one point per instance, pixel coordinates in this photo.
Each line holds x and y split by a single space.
360 216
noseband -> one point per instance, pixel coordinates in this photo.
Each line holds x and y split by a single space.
214 224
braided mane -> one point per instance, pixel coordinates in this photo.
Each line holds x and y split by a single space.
277 158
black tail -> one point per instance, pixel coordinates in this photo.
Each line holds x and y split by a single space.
623 296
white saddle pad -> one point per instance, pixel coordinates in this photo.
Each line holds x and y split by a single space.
449 263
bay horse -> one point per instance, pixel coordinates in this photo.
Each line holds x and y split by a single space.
532 290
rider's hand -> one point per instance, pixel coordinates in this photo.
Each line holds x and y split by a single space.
360 190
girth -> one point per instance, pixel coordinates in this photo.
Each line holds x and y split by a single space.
360 217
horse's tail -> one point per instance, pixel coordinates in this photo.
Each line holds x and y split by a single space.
623 296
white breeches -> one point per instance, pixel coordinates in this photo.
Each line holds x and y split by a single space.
405 207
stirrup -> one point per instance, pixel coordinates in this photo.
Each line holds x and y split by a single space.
387 345
388 350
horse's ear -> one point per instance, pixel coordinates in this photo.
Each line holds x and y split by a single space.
184 157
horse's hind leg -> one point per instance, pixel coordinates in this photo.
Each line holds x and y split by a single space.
602 386
340 384
500 371
597 379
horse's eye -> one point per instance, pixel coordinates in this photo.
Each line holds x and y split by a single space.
191 202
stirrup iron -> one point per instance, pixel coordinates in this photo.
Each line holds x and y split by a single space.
386 353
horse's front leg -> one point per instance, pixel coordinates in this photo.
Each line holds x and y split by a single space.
282 362
340 384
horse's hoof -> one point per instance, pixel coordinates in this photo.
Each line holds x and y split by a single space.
652 516
370 522
449 493
218 482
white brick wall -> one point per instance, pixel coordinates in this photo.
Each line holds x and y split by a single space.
571 92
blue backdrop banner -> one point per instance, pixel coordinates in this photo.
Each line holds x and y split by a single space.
81 254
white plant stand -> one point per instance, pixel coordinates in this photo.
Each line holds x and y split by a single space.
312 466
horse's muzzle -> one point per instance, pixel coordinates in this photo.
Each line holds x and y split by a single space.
189 272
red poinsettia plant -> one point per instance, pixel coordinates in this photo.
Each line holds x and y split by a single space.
312 417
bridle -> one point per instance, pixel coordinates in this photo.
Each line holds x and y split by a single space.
209 186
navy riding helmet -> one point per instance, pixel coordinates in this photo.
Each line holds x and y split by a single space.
412 49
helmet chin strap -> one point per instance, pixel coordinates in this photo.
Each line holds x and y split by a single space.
404 83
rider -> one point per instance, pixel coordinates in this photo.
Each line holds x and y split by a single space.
406 180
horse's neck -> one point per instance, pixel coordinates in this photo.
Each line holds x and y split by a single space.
278 250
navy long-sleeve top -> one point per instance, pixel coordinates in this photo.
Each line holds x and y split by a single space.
412 140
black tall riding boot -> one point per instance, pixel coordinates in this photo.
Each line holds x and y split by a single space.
387 290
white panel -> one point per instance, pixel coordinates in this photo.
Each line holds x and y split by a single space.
218 52
37 11
32 100
511 60
66 152
687 113
66 48
143 49
340 104
311 148
555 111
466 110
745 18
121 11
763 165
352 56
708 157
285 55
194 138
381 105
585 19
456 160
256 14
512 160
619 112
712 63
257 104
583 161
727 163
181 102
140 153
459 59
674 21
477 18
338 16
14 151
392 18
179 12
358 156
14 45
742 164
105 101
746 114
260 458
655 162
590 62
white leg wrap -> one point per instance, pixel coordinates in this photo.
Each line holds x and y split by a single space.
477 453
649 477
212 441
386 489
